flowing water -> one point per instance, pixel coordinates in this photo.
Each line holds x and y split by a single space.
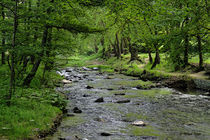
167 113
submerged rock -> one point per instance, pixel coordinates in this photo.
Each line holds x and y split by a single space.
105 134
142 87
69 69
123 101
70 115
89 87
85 95
122 88
119 94
77 110
99 100
108 77
139 123
99 120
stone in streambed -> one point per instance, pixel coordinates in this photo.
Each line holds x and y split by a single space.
139 123
119 94
77 110
64 81
89 87
142 87
123 101
105 134
86 69
85 95
99 100
95 68
70 115
69 69
108 77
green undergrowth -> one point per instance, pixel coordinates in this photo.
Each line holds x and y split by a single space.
79 60
33 109
26 118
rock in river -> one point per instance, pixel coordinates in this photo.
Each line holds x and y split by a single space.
123 101
119 94
77 110
105 134
89 87
95 68
99 100
86 69
139 123
64 81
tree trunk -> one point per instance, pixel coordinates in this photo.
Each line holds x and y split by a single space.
122 46
125 46
118 47
150 56
12 67
3 40
186 46
96 47
200 52
33 71
157 57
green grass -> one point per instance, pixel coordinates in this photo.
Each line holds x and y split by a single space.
25 118
195 59
78 61
32 110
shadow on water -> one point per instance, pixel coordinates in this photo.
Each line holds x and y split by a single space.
167 113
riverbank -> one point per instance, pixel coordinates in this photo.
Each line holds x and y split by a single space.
34 111
184 80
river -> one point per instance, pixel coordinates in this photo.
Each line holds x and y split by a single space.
104 106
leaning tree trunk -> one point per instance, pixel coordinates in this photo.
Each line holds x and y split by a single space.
33 71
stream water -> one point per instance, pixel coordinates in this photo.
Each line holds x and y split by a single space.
167 113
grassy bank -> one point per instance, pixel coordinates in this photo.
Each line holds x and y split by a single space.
164 72
33 110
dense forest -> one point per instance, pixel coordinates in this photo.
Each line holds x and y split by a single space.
40 37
